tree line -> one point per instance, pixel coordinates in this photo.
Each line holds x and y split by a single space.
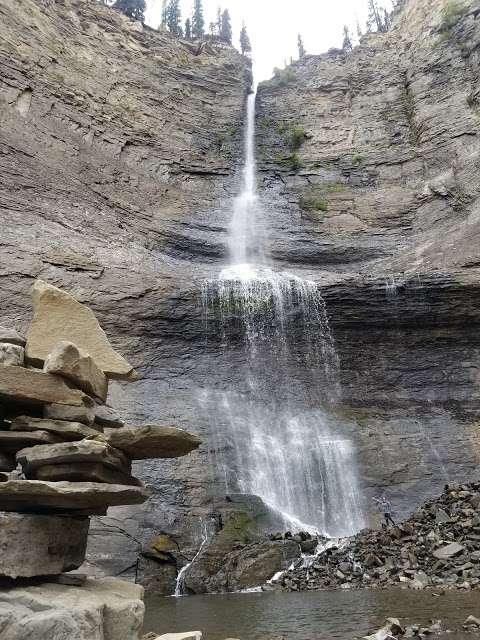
379 19
193 27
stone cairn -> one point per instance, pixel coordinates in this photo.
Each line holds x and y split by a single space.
64 454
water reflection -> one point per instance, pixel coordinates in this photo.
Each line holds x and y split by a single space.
320 615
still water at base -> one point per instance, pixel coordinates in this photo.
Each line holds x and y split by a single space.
320 615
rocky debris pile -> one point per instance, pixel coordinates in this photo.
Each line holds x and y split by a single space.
64 454
439 545
393 628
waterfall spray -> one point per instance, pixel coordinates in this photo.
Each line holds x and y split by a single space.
286 447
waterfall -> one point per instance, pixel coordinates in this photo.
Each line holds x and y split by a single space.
275 435
180 582
244 242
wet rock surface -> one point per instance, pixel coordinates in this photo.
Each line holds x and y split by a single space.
438 546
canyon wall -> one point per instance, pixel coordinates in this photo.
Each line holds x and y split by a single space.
120 154
369 164
119 147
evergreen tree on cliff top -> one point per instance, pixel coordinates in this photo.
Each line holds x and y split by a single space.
301 49
163 23
226 27
347 41
174 17
188 28
245 45
198 23
132 8
378 18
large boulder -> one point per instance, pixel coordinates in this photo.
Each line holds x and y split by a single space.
152 441
83 451
68 361
106 609
75 497
238 557
40 545
30 386
58 316
63 429
253 565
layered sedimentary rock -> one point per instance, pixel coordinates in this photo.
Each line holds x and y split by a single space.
369 163
120 147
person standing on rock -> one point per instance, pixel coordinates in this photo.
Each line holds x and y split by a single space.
386 508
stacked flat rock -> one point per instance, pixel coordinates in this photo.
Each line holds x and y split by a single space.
57 465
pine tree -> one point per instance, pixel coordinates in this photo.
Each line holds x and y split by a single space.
301 49
198 23
245 45
174 17
359 30
219 21
163 23
377 18
188 28
212 28
132 8
347 41
387 20
226 27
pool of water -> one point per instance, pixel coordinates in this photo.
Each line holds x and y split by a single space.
319 615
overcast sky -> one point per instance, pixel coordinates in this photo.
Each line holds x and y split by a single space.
273 25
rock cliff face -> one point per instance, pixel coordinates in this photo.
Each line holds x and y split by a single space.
119 147
120 151
370 171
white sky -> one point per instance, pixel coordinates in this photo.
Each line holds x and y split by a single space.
273 25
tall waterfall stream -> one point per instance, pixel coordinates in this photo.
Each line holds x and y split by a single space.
285 445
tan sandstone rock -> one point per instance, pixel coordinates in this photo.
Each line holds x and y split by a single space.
40 545
35 387
84 472
68 361
75 497
12 441
152 441
11 336
72 452
84 413
63 429
107 417
58 316
101 609
11 355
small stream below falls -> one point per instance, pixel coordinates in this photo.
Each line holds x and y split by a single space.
319 615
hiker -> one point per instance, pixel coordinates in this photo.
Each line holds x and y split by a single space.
386 508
